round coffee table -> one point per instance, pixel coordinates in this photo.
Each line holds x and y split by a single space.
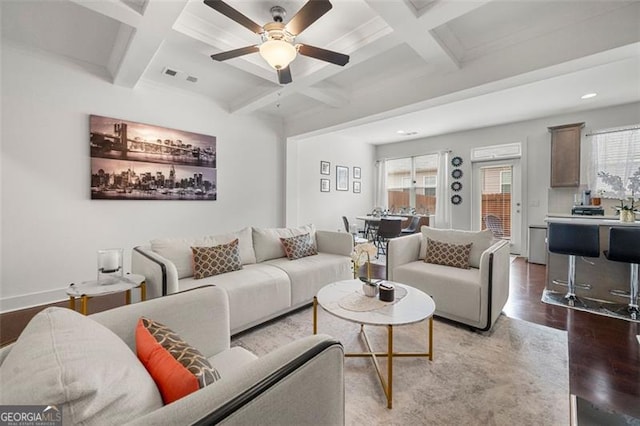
345 300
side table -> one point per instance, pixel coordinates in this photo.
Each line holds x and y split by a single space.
89 289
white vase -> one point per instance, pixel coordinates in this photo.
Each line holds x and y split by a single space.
627 216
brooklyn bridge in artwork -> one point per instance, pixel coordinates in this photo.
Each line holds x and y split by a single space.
137 161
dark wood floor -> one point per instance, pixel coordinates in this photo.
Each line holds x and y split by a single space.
604 355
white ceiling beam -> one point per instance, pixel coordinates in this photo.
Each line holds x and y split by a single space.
401 17
154 27
114 9
441 12
326 93
380 45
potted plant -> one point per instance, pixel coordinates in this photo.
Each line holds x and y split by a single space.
626 209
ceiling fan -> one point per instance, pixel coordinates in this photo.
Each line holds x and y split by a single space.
278 45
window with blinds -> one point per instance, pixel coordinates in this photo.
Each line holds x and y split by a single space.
614 151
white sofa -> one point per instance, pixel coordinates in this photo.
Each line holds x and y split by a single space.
267 286
87 368
473 296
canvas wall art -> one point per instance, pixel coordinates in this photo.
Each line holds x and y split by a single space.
135 161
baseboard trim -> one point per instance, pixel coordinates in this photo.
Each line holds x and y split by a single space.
30 300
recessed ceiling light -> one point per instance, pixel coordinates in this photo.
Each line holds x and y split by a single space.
589 95
401 132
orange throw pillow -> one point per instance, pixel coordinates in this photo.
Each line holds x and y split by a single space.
177 368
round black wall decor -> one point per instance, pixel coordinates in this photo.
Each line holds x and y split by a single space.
456 173
456 161
456 199
456 186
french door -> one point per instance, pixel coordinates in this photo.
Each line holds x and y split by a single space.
497 200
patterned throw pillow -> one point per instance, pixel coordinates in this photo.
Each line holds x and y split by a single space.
456 255
177 368
299 246
209 261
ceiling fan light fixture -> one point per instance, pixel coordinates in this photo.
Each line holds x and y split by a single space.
278 53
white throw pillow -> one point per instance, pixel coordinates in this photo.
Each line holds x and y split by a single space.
245 243
65 359
481 240
267 244
178 250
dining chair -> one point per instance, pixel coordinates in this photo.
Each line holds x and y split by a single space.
413 226
494 223
388 228
356 238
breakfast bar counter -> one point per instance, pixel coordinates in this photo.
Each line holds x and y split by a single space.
595 276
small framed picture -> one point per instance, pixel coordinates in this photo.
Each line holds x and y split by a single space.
342 178
356 187
325 185
356 172
325 167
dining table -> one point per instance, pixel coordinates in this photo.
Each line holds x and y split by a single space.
372 222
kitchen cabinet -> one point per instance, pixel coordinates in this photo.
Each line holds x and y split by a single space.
565 155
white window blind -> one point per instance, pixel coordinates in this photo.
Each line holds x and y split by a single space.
615 151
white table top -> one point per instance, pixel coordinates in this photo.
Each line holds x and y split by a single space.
371 218
415 306
95 288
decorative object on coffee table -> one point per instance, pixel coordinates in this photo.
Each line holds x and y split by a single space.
360 252
386 292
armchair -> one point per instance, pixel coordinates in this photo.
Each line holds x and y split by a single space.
473 296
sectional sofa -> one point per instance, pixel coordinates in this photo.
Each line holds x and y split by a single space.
268 283
87 368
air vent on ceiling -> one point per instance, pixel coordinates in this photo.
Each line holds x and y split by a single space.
169 71
180 74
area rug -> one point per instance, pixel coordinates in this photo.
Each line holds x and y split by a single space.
515 374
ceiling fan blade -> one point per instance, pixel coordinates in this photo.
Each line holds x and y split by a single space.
284 75
233 14
230 54
310 13
323 54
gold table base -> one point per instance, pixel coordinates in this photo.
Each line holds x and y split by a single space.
387 384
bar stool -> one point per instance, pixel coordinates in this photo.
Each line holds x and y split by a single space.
624 246
574 240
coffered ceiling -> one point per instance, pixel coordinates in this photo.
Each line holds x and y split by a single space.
423 66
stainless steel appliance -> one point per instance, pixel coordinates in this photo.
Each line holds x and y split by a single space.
587 211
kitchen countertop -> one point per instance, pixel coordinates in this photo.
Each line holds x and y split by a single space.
589 220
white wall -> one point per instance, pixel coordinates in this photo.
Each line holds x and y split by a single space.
50 227
537 140
305 202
